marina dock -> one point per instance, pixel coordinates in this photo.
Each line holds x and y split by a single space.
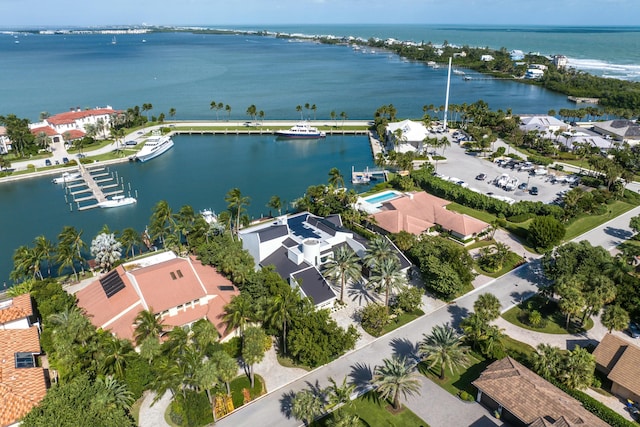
91 186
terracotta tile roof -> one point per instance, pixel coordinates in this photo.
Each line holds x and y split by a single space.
530 398
420 211
19 308
72 116
103 310
74 134
622 359
48 130
162 286
20 388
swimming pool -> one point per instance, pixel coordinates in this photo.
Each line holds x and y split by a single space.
380 198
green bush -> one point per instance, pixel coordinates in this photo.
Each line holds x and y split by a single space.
191 409
600 410
409 299
233 347
539 160
374 318
138 376
466 396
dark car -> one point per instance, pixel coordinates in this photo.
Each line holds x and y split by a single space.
130 143
533 191
481 177
47 162
522 186
65 160
634 330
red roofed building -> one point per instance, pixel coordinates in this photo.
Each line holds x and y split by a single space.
71 125
179 290
416 213
22 384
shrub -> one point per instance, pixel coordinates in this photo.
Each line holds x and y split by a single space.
600 410
466 396
233 347
535 319
138 376
191 409
409 299
545 232
374 318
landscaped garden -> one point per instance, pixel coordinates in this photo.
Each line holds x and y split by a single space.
543 315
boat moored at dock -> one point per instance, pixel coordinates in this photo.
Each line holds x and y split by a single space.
67 177
153 147
117 201
302 131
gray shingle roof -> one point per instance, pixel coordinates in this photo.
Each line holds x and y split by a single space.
273 232
314 286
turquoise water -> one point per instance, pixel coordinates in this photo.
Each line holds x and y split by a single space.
380 198
198 171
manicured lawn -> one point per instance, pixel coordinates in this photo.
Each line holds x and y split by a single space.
94 146
585 223
461 379
513 260
554 321
288 363
480 244
403 319
481 215
373 412
243 382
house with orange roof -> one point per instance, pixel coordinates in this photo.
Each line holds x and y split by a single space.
70 125
179 290
17 313
23 383
619 360
418 213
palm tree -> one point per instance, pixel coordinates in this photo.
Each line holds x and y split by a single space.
114 354
396 376
106 250
172 112
203 334
129 239
387 275
299 110
253 348
332 114
579 366
314 108
162 221
214 106
487 306
251 111
147 324
379 249
335 178
227 108
340 394
280 311
343 266
206 376
66 257
147 107
547 361
344 117
307 406
236 205
275 203
227 368
113 394
615 317
238 313
444 347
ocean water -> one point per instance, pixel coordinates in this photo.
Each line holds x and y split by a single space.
187 71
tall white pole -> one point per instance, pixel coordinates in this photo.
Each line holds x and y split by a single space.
446 101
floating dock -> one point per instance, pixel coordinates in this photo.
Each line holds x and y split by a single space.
94 184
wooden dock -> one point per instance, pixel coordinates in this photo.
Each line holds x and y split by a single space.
92 186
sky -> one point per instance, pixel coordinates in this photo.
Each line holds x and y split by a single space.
225 13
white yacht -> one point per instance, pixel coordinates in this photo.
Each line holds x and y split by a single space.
209 216
153 147
301 130
117 201
67 177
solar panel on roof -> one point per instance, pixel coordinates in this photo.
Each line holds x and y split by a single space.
298 228
112 283
25 360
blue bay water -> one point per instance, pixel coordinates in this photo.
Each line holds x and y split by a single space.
187 71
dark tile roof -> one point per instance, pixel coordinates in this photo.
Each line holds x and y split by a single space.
289 242
273 232
314 286
283 265
335 219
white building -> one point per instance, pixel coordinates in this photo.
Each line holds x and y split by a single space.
486 58
533 73
545 125
560 61
298 245
413 134
5 144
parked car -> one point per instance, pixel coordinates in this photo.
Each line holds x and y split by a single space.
47 162
522 186
634 330
481 177
130 143
65 160
533 191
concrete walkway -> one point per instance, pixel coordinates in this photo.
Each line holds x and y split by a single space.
152 414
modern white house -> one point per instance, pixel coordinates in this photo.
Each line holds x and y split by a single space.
413 134
486 58
534 73
619 129
298 245
543 124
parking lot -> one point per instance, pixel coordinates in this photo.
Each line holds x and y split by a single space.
466 167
